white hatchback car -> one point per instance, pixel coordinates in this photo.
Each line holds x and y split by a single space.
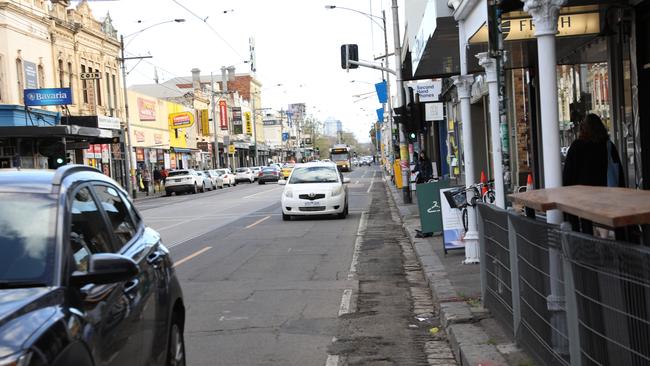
226 178
244 175
315 189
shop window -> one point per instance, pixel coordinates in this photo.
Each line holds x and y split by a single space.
98 89
84 86
114 91
20 77
41 76
70 75
108 94
61 75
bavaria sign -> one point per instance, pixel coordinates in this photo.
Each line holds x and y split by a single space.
47 96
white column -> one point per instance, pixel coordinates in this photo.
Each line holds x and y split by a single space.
545 16
464 86
490 66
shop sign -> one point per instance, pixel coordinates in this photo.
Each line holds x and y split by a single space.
236 116
166 161
181 120
172 160
139 135
429 90
109 123
147 109
249 124
523 28
105 153
434 112
223 115
116 151
31 75
158 138
203 146
153 157
47 96
139 154
205 122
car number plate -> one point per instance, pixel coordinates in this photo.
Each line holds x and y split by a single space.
312 203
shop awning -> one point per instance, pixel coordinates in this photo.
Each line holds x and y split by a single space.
181 150
70 132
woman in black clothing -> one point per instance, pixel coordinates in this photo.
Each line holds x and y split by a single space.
587 162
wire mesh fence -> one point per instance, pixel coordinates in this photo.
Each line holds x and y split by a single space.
498 290
567 297
612 291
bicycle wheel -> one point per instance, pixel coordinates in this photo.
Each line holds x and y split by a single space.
489 197
465 219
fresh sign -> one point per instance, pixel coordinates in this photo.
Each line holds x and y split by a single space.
181 120
48 96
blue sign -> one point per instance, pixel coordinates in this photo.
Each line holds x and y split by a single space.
285 136
380 115
48 96
381 92
31 76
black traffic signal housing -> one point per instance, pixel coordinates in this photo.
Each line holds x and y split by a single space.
54 150
349 52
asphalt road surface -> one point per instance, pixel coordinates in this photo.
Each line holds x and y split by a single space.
260 291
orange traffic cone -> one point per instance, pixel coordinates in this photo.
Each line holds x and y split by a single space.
529 183
484 187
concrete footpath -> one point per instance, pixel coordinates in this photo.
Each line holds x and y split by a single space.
475 337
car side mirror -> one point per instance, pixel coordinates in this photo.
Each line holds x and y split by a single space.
105 268
346 180
282 182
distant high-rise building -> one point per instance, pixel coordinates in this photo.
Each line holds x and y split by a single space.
332 127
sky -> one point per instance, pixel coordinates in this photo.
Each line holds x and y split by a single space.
297 45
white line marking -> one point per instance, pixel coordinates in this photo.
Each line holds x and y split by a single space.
371 183
258 222
255 194
332 360
363 222
345 302
192 256
357 182
175 224
228 318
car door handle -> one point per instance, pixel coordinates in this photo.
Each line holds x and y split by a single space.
131 285
155 257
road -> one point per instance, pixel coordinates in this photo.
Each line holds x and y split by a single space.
260 291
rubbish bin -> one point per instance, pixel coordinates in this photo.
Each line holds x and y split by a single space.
430 206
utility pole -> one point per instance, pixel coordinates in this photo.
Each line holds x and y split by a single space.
403 148
389 107
255 162
130 173
214 122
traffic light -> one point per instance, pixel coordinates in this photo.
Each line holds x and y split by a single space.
349 52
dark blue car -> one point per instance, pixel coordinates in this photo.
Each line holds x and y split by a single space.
83 280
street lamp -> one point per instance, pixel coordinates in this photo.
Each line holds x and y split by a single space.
135 34
129 169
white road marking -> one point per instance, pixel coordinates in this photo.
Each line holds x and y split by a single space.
332 360
258 222
258 193
228 318
345 302
363 222
371 183
197 253
357 182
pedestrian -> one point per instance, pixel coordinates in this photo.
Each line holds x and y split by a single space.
592 160
146 180
164 173
426 169
157 177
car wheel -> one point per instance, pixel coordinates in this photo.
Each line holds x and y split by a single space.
344 214
196 189
214 186
286 217
176 349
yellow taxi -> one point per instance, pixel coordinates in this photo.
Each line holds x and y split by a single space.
286 170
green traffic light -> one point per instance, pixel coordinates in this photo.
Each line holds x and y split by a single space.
412 135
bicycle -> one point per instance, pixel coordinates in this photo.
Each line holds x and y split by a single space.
457 198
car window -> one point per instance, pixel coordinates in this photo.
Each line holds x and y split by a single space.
241 170
314 174
27 231
88 231
129 206
118 214
178 172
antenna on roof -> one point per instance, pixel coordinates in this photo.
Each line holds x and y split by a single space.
155 74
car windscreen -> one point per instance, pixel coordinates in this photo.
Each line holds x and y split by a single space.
269 170
221 172
339 157
314 174
27 239
241 170
178 172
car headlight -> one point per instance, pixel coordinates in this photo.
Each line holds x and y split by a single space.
337 191
17 359
288 193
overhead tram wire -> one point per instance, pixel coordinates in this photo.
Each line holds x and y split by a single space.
204 20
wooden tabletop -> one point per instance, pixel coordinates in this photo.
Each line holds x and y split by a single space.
612 207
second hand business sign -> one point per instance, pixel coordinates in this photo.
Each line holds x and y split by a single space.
181 120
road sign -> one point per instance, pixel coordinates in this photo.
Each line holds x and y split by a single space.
231 149
90 75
